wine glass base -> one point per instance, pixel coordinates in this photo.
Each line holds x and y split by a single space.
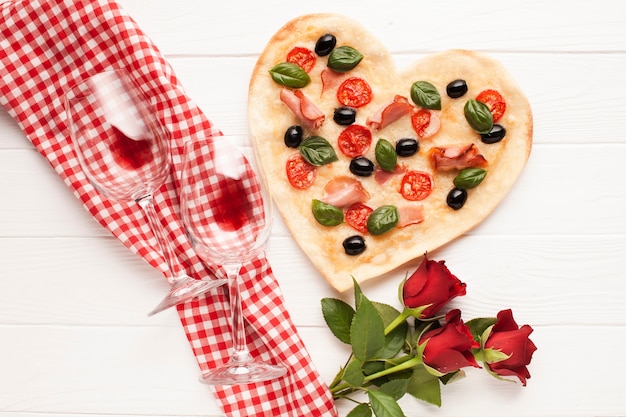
233 373
184 290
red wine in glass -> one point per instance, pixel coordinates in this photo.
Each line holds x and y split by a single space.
129 153
233 207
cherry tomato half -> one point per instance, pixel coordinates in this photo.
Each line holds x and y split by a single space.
354 92
303 57
494 101
300 173
354 141
356 216
416 185
425 123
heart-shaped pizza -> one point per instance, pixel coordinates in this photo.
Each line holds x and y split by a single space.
371 167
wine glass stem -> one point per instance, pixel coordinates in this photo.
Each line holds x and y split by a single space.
240 352
174 268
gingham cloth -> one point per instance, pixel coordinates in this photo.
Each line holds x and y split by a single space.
45 47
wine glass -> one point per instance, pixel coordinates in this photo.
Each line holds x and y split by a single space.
123 150
228 215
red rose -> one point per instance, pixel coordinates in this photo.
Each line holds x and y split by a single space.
449 348
431 285
506 337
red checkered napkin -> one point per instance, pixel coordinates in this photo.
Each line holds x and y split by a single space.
48 45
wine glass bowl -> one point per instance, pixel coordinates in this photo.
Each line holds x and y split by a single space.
123 151
224 210
122 168
227 213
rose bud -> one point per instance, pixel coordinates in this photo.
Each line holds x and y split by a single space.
515 349
449 348
431 286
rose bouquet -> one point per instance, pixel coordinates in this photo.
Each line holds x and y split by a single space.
415 351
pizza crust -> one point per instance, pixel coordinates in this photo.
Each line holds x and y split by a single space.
269 118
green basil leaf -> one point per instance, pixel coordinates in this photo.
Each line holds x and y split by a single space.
386 155
367 332
344 58
384 405
338 316
290 75
361 410
317 151
478 116
469 178
383 219
326 214
425 95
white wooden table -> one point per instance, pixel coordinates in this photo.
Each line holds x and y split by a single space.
74 336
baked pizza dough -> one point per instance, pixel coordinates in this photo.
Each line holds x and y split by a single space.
270 117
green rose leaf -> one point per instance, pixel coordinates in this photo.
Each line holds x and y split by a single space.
394 341
367 333
396 388
371 368
425 95
290 75
425 386
386 155
344 58
384 405
338 316
383 219
469 178
353 374
478 326
478 116
317 151
357 293
453 376
361 410
326 214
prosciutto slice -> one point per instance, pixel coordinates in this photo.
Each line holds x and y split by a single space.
381 176
410 214
303 107
344 191
457 157
389 113
331 79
